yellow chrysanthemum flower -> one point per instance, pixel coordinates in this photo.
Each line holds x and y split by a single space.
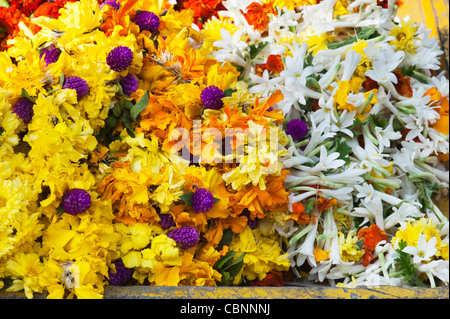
175 21
263 254
25 269
404 37
9 125
211 33
316 42
364 63
348 249
411 232
27 73
76 18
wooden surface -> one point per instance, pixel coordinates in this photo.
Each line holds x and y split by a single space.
160 292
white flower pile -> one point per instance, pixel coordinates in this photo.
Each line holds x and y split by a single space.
378 155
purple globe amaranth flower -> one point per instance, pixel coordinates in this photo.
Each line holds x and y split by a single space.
24 109
112 3
186 237
51 54
76 201
78 84
202 200
120 58
166 221
297 129
122 274
252 223
147 21
212 97
129 84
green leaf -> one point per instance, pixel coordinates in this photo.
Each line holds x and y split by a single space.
225 279
360 243
127 104
229 92
61 79
378 120
427 191
343 149
336 45
187 198
407 268
309 104
227 237
127 120
139 106
408 71
224 260
364 34
120 92
309 59
255 49
60 209
111 122
397 125
236 266
310 206
367 33
27 96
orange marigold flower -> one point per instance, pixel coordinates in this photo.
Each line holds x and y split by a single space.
442 124
50 9
257 15
325 204
299 215
273 279
128 193
372 236
368 256
403 85
274 64
203 9
258 201
320 254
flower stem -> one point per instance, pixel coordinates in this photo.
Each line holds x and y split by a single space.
328 183
418 177
383 263
303 188
369 135
291 143
366 103
300 234
406 109
382 182
317 149
302 143
330 78
439 214
301 181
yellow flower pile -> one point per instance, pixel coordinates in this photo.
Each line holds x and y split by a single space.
127 165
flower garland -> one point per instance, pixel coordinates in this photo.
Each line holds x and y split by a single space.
220 143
